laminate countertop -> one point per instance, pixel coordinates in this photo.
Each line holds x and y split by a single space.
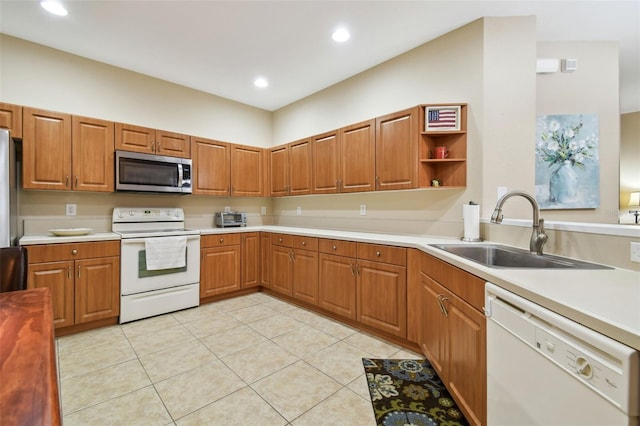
28 375
605 300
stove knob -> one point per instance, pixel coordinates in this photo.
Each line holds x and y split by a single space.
131 212
120 214
583 368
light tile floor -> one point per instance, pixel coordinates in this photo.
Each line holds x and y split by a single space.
251 360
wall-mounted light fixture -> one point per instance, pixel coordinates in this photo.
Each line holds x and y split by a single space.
634 201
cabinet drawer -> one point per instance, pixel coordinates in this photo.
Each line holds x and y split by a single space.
282 240
380 253
220 240
338 247
306 243
463 284
72 251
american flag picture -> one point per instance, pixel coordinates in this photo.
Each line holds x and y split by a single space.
442 118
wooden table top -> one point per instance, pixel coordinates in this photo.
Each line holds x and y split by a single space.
28 376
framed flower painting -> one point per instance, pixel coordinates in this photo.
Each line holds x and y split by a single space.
567 161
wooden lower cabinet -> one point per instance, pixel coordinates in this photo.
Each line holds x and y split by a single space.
83 290
250 260
382 296
452 333
337 290
305 275
265 259
219 264
281 270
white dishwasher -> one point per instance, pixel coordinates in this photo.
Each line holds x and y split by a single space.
544 369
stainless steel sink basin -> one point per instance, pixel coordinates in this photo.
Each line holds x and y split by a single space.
498 256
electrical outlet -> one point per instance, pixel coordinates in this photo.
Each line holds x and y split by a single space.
227 209
263 210
298 210
363 209
71 209
635 252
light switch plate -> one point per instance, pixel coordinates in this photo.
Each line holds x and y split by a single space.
263 210
635 252
227 209
363 209
298 210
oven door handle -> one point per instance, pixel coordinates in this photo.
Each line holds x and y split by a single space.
142 240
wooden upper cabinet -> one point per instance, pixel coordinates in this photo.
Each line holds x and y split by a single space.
211 161
300 168
46 150
279 171
135 138
11 118
92 154
151 141
397 150
248 173
358 157
326 163
172 144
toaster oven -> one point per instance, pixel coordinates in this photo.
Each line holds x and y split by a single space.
227 220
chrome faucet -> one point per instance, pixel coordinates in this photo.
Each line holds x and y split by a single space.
538 237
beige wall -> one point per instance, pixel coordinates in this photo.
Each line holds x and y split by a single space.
488 64
42 77
593 89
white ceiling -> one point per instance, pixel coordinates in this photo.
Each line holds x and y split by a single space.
220 47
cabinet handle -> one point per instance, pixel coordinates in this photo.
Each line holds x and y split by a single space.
78 271
76 182
158 146
304 243
377 182
279 240
378 254
353 269
357 269
74 251
291 258
334 248
340 186
69 272
443 308
153 146
222 240
233 189
66 182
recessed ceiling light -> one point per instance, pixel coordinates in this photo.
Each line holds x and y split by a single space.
260 82
341 35
54 7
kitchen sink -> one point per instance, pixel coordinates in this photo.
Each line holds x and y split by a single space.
498 256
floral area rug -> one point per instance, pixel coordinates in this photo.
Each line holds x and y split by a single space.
407 392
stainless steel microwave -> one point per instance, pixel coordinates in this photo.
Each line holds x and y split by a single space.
141 172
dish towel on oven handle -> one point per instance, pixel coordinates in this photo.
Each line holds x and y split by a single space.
165 252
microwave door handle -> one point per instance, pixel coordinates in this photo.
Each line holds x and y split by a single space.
180 176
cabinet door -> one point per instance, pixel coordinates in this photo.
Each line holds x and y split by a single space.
265 259
247 171
382 296
46 150
97 289
135 138
281 269
92 154
172 144
397 150
11 118
250 276
57 277
337 291
358 157
326 163
219 270
305 276
211 162
300 168
279 171
432 330
467 367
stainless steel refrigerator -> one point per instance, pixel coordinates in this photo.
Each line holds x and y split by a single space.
8 191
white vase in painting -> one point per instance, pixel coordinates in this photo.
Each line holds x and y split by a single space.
563 185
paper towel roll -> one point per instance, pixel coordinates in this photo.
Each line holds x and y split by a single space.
471 218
